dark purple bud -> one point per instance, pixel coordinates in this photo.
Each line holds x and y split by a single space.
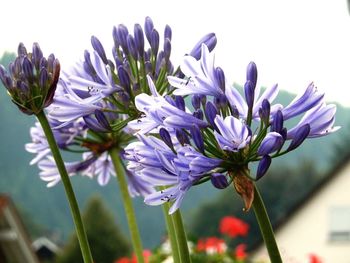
277 123
97 46
122 34
164 134
16 69
37 55
50 61
219 180
271 143
154 42
252 73
264 112
249 93
148 28
167 49
209 40
27 67
180 102
21 50
197 138
124 78
102 120
43 77
115 38
132 47
182 137
148 67
139 39
263 166
160 63
210 114
196 101
136 88
300 135
93 124
85 164
198 114
284 133
23 87
220 78
167 32
203 99
43 63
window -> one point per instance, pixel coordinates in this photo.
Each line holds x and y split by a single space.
339 228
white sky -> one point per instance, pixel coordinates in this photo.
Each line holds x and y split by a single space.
293 42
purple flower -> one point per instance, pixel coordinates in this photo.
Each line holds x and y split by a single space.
158 111
201 76
32 79
271 143
320 119
233 136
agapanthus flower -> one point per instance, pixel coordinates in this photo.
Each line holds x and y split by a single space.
32 79
222 135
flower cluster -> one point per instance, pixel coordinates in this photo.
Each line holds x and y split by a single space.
233 227
221 133
95 100
32 79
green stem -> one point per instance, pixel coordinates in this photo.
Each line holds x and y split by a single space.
79 227
181 238
265 227
128 207
171 232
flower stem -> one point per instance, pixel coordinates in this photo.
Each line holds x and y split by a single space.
181 238
79 227
128 207
265 227
171 232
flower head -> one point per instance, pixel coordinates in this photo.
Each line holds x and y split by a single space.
233 227
32 79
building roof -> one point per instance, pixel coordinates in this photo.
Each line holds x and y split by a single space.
15 244
323 183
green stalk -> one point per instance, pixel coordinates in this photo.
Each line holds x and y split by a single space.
128 207
265 227
181 238
79 227
171 232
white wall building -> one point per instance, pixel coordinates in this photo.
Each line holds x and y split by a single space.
319 225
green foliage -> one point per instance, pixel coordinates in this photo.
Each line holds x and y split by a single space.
106 242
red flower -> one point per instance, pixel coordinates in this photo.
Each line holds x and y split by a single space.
233 227
240 252
314 259
211 245
146 255
123 260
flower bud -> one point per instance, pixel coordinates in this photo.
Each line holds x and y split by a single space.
154 42
182 137
196 101
271 143
180 102
252 74
219 180
264 112
97 46
37 55
167 49
210 114
132 47
249 93
197 138
220 78
167 32
164 134
148 28
209 40
300 135
139 39
124 79
277 123
263 166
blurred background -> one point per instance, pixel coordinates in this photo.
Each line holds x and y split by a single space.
292 42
